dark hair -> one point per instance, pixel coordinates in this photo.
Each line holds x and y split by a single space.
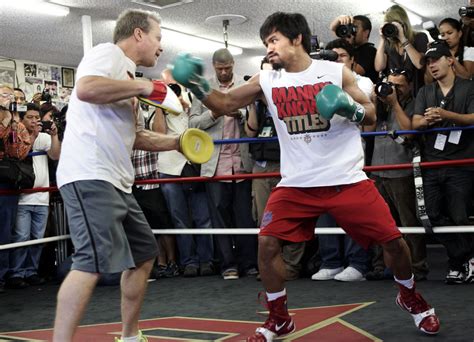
18 89
288 24
456 24
47 107
365 21
341 43
32 106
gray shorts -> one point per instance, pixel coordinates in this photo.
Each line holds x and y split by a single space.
108 229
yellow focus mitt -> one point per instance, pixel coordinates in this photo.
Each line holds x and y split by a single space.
196 145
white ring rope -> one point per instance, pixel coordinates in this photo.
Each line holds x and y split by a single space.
246 231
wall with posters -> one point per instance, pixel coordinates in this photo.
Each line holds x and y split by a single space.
35 77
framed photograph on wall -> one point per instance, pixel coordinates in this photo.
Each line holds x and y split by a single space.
7 76
67 75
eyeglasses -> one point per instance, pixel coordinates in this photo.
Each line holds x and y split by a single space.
7 96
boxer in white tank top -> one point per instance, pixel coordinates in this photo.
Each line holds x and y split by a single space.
321 163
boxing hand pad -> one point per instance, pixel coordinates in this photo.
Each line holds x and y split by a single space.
196 145
163 97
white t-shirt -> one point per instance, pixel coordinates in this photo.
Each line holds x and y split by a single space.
468 53
172 162
40 167
99 137
314 152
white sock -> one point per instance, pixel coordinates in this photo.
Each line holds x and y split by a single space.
131 338
407 283
276 295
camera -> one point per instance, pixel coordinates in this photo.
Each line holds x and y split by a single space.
466 11
383 89
314 43
327 55
18 108
46 125
390 31
346 31
45 96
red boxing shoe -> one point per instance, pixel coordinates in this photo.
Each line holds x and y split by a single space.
423 314
279 323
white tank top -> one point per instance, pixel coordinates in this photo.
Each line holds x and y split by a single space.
314 152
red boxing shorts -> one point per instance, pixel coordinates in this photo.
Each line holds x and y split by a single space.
291 213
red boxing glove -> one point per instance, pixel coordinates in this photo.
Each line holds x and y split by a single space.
163 97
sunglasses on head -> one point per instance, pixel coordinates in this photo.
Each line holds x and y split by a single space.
400 71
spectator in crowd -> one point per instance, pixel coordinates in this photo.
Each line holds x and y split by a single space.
152 202
230 202
364 52
267 159
450 30
33 209
339 251
397 186
187 202
401 47
448 102
14 143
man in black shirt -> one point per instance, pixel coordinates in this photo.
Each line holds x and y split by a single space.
448 102
364 52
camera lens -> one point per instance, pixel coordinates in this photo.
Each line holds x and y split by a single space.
466 11
383 89
390 31
342 31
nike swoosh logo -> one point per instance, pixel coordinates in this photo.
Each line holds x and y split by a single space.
318 77
278 327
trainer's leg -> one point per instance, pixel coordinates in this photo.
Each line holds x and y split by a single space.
73 296
397 258
271 264
133 286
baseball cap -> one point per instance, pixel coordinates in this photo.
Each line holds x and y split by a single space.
436 50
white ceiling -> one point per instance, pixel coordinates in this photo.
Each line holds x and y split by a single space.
58 40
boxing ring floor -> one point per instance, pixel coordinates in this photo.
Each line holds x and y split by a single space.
209 309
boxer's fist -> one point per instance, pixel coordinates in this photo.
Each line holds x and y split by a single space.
163 97
188 70
333 100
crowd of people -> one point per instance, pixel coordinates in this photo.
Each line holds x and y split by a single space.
409 81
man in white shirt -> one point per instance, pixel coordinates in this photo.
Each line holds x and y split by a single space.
33 208
95 173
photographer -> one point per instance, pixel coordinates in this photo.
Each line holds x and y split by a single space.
33 208
14 144
397 186
451 32
400 46
448 102
356 30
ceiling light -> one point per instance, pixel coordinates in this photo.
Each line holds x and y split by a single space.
192 42
40 7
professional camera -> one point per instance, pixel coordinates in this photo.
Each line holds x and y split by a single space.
383 89
18 108
345 31
59 119
46 96
389 30
466 11
327 55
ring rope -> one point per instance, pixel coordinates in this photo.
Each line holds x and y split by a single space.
248 231
428 165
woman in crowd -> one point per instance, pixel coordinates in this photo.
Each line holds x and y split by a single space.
403 49
450 30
